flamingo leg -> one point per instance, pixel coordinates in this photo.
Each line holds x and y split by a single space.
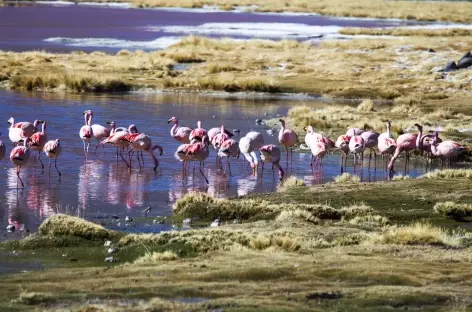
39 157
229 167
201 171
55 165
96 146
262 171
18 169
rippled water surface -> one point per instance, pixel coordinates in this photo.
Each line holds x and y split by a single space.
102 187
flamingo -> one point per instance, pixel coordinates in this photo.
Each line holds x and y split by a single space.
117 139
405 142
354 131
215 131
19 156
38 140
342 143
287 137
385 143
180 134
142 142
3 149
248 144
181 155
357 146
86 132
371 140
99 132
271 154
52 149
229 148
424 142
198 133
445 150
198 151
318 151
19 131
219 138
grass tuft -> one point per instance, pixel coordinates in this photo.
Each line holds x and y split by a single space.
297 215
347 178
448 174
35 298
61 224
401 177
416 234
274 243
366 106
290 183
356 210
157 257
453 210
370 220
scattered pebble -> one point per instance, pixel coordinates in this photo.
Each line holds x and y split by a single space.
128 219
107 243
187 221
112 250
215 223
278 115
158 221
115 217
111 259
259 121
65 255
270 132
213 116
236 131
11 228
236 221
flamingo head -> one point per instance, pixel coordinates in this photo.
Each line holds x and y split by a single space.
173 119
282 122
267 148
37 122
132 129
420 127
111 123
57 141
88 113
11 120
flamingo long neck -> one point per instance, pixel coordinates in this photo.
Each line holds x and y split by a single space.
173 130
388 130
113 128
44 128
222 129
199 124
86 119
12 123
434 146
89 120
398 151
419 140
154 158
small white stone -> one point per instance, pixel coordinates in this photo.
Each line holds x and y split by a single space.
107 243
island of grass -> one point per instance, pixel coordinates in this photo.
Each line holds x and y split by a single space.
346 245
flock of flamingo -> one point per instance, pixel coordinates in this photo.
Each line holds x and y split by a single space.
196 143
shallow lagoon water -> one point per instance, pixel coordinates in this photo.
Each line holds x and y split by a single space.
101 187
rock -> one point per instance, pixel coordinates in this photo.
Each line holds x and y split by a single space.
11 228
73 259
236 221
324 295
107 243
128 219
115 217
187 221
451 66
215 223
430 50
465 61
258 121
158 221
111 259
270 132
278 115
112 250
236 131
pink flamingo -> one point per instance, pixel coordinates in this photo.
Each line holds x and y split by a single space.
287 138
38 140
424 142
3 149
354 131
229 148
356 147
19 131
53 149
405 142
86 132
386 144
142 142
318 151
248 144
215 131
219 138
117 138
19 156
198 133
342 143
198 152
446 150
181 154
180 134
371 140
271 154
99 132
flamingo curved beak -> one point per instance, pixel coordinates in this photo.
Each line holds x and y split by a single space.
109 122
84 113
169 121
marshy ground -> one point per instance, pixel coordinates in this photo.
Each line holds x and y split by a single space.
345 245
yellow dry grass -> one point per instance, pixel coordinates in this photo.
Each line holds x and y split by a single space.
446 32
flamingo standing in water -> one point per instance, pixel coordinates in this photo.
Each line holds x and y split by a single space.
99 132
318 151
271 154
38 140
3 149
198 151
19 156
86 132
342 143
117 138
405 142
287 138
371 140
19 131
180 134
386 144
198 133
248 144
446 150
424 143
53 149
142 142
357 147
228 149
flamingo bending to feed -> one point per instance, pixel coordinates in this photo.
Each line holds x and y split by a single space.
99 132
424 142
3 149
181 155
180 134
287 137
38 140
198 133
19 156
19 131
356 147
117 138
142 142
248 144
52 149
446 150
228 149
318 151
342 143
405 142
271 154
86 132
198 151
371 140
